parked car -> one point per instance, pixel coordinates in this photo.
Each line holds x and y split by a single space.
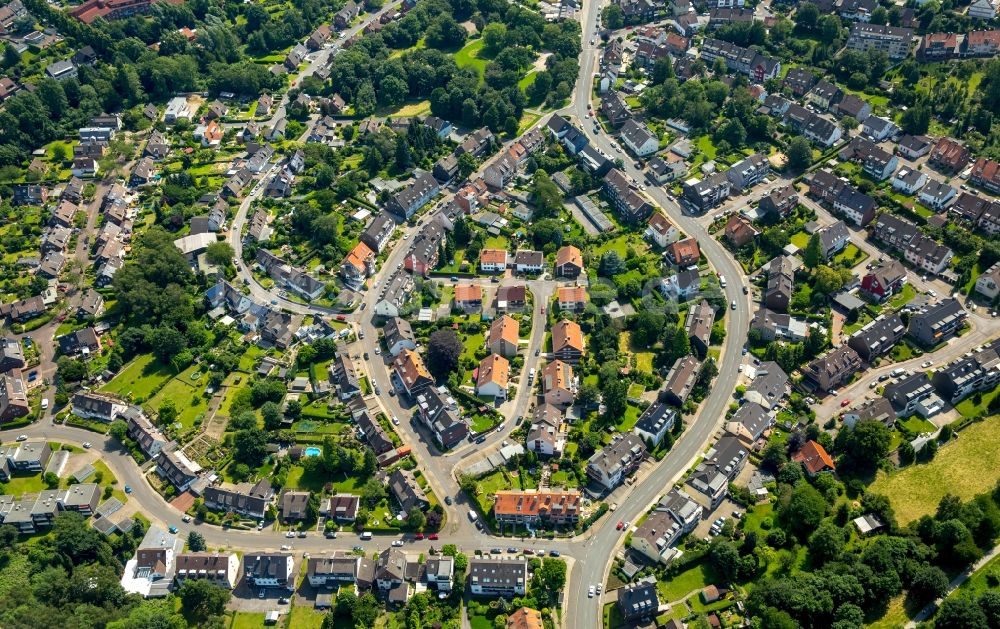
447 500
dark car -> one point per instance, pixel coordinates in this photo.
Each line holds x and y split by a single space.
366 355
481 439
554 553
447 500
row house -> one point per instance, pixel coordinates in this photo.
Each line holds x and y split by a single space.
981 44
986 175
722 463
756 66
934 47
936 323
968 374
625 197
244 500
877 337
421 189
949 156
875 162
532 508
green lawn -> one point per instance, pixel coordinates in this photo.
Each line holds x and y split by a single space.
140 378
631 417
470 56
706 146
528 79
977 583
247 620
904 296
851 255
21 484
901 351
976 404
801 239
918 424
688 581
957 469
620 246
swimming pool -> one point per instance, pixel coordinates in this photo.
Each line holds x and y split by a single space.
311 451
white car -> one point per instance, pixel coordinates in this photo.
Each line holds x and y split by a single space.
395 420
22 437
590 591
397 542
87 445
290 534
927 363
286 547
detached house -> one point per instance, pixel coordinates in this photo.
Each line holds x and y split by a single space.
567 341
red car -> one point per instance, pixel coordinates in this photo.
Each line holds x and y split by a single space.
844 403
432 536
341 317
418 536
620 525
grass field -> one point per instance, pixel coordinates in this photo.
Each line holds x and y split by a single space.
140 378
904 296
850 255
21 484
957 469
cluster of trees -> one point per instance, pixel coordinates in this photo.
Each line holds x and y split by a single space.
844 583
73 574
700 102
367 77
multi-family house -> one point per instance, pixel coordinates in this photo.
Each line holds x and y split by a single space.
877 337
936 323
567 341
894 41
610 465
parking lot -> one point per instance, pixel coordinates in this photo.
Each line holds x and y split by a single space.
724 510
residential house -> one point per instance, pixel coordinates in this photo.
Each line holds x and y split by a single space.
739 232
699 326
936 195
609 466
681 380
894 41
936 323
545 435
799 81
333 570
878 409
138 428
684 253
777 326
639 138
722 463
411 373
245 500
660 230
877 337
625 197
749 171
150 571
559 384
493 377
177 469
263 570
834 368
769 385
879 129
884 280
567 341
853 106
988 283
949 156
97 406
534 508
780 284
378 232
344 376
532 262
407 491
655 421
875 162
833 239
569 262
757 67
913 147
468 297
421 189
968 374
986 175
503 337
749 422
705 194
814 458
498 577
779 201
397 293
913 394
398 335
639 600
493 260
908 180
218 569
666 168
615 109
11 354
13 396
